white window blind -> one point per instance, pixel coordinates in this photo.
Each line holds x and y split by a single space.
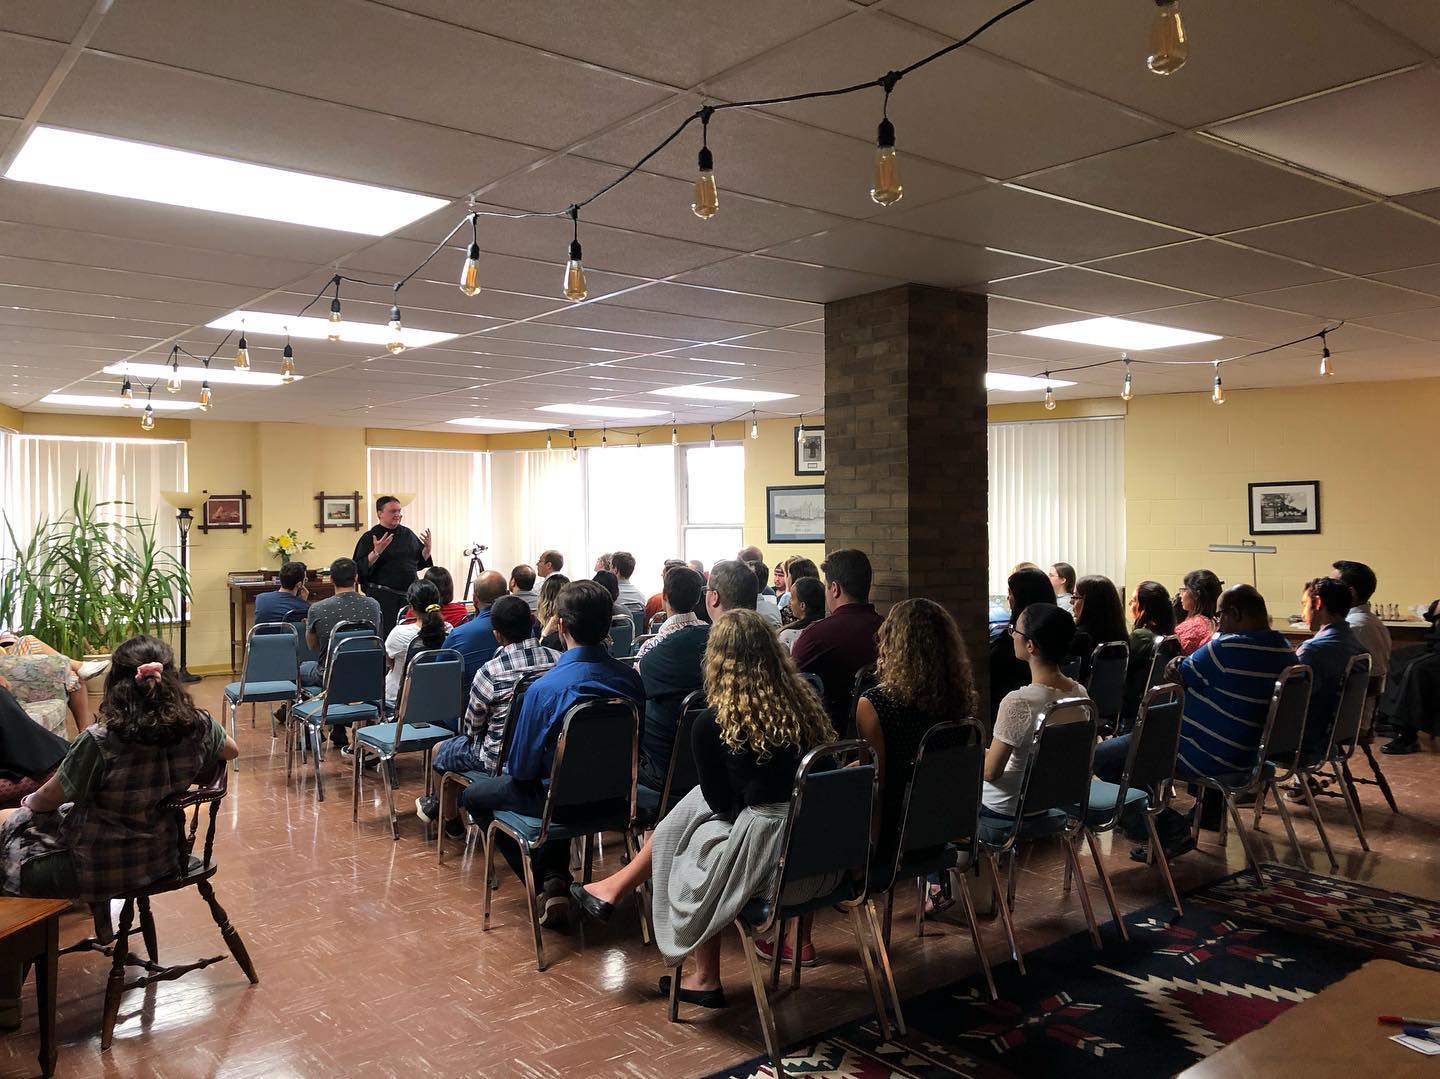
539 504
451 490
1057 494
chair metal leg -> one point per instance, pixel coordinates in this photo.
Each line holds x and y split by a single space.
587 855
289 746
355 783
889 913
1260 802
1347 792
1010 879
762 998
1072 854
922 890
1105 883
115 984
777 946
1005 917
882 954
1157 857
316 731
675 991
489 876
1289 824
1380 780
632 850
532 902
882 1015
1315 815
958 885
1245 841
387 763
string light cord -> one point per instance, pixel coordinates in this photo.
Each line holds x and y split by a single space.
1318 335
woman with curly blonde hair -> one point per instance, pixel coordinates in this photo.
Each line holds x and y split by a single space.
721 843
924 679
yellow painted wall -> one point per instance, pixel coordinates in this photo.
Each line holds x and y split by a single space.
770 462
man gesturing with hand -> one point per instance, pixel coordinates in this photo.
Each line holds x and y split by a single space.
389 556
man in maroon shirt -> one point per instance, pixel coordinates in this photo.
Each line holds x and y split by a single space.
842 642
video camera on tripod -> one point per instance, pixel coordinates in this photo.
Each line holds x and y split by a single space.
477 566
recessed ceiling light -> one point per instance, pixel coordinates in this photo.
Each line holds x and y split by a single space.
137 170
199 374
1120 333
720 393
996 380
81 400
602 412
318 329
498 425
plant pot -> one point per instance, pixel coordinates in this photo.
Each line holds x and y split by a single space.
95 687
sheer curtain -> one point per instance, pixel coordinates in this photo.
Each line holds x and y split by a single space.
451 498
1057 494
631 506
537 500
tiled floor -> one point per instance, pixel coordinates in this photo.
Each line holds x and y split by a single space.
372 962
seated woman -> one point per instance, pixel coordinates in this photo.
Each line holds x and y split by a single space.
545 612
78 698
1153 618
1041 639
806 607
797 568
924 678
94 830
721 844
1099 619
422 627
1027 584
1198 597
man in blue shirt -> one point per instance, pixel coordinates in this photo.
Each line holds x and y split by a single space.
1328 653
290 603
585 670
474 638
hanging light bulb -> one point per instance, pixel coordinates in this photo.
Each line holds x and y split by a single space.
637 440
707 198
574 447
205 396
1127 389
712 436
470 270
1169 47
242 354
575 287
800 434
127 394
287 364
396 342
1049 394
754 425
887 188
173 384
334 334
674 433
549 445
1218 393
1327 369
604 438
147 420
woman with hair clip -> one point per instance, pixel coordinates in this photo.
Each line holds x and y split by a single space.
423 627
721 844
94 829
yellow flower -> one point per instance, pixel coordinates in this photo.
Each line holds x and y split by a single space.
286 543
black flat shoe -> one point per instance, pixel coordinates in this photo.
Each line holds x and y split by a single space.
705 998
1405 743
1172 850
589 904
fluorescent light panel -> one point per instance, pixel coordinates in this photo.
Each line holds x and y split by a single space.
318 329
498 425
1120 333
602 412
196 375
996 380
720 393
81 400
137 170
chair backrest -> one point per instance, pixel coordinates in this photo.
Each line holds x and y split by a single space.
1285 723
865 679
682 775
597 757
1108 665
831 810
1070 668
656 621
356 672
1350 713
517 698
271 654
642 639
942 799
206 788
1166 649
347 629
815 683
1154 745
637 623
1057 772
434 691
622 636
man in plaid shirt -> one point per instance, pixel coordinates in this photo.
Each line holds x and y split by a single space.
491 693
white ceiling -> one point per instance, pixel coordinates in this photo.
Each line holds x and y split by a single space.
1274 184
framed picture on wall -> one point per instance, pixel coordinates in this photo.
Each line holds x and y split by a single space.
795 514
338 511
225 511
1285 509
809 451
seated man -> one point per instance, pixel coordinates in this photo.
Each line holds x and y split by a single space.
656 603
1411 702
766 605
586 670
348 604
1325 607
1370 631
836 647
474 639
1229 682
670 666
631 598
491 690
522 584
289 603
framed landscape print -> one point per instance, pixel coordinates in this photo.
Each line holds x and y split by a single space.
809 451
225 511
795 514
1289 508
338 511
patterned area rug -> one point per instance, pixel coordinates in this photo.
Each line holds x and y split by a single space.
1178 992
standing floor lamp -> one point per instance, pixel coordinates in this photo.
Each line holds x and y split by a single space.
184 503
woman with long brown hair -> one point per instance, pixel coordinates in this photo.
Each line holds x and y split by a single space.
720 845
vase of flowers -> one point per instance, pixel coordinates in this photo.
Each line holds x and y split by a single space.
286 544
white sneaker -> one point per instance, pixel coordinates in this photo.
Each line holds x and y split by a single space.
93 668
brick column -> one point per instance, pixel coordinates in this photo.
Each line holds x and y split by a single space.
905 461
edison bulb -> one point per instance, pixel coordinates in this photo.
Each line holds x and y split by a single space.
396 343
173 384
575 287
1218 393
334 334
205 396
1127 390
1327 369
127 394
549 444
287 365
1049 399
242 355
754 427
674 436
707 198
147 421
887 189
470 272
1169 47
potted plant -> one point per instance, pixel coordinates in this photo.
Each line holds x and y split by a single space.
90 578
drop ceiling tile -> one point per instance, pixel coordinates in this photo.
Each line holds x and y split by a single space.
104 282
1347 298
83 303
766 276
1418 20
57 20
1419 278
1090 291
1244 55
602 343
1213 268
713 303
599 316
1013 314
729 359
1013 219
785 341
1193 183
876 249
1231 319
1364 240
1427 202
1422 323
27 63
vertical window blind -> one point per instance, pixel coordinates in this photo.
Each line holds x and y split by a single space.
451 498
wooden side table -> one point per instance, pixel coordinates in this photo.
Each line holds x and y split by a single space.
30 933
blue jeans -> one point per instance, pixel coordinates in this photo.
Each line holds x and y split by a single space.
1110 757
458 754
485 795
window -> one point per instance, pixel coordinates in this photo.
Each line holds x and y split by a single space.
714 502
630 506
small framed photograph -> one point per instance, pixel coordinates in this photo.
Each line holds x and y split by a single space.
795 514
1285 509
338 511
809 451
225 511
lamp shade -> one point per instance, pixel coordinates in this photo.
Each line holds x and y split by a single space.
183 500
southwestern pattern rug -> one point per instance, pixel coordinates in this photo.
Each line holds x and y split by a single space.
1178 992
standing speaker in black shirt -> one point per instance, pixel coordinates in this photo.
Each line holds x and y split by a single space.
390 556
